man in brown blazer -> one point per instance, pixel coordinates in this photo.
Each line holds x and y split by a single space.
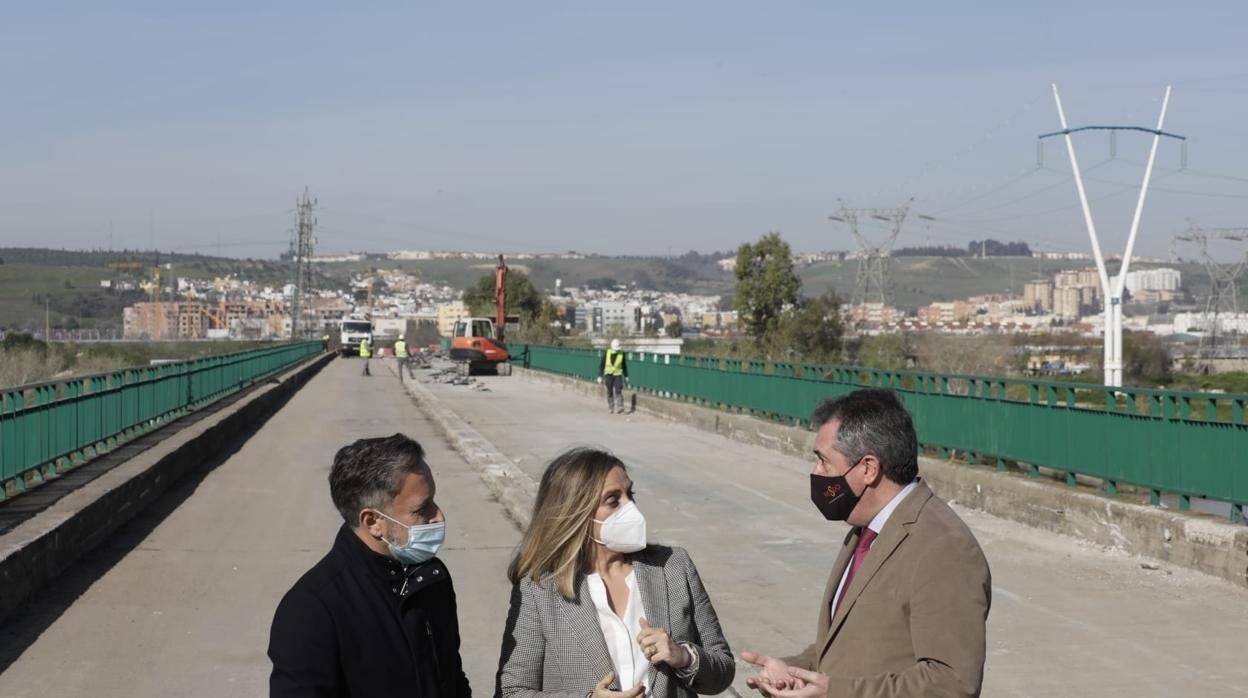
906 604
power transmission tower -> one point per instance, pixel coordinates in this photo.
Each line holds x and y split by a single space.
304 242
874 254
1112 287
1223 284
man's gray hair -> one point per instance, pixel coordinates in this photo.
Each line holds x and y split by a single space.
369 473
874 422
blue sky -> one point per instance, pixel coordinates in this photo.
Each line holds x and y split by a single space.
639 127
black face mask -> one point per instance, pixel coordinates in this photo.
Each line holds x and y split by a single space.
833 496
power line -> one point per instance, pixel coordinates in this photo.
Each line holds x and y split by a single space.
415 225
1004 185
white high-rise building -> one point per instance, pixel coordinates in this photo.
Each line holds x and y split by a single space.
1154 280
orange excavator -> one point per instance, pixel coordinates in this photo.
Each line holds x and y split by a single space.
477 344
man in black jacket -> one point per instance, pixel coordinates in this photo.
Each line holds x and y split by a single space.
376 616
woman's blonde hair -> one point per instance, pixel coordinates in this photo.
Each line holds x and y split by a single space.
558 543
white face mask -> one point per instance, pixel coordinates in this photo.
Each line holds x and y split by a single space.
625 530
423 542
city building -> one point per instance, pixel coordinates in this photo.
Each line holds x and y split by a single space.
1154 280
1068 302
874 313
199 320
619 316
448 314
1038 295
946 313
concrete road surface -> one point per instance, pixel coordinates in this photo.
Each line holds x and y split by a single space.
180 603
1068 619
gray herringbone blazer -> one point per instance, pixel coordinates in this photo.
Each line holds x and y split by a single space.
554 647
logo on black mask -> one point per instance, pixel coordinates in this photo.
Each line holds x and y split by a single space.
832 495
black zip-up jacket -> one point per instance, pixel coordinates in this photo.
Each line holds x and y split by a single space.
348 627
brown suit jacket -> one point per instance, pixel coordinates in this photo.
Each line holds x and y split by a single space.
912 621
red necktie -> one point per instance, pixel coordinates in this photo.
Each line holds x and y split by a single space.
865 538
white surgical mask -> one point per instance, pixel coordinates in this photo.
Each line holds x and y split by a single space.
423 542
625 530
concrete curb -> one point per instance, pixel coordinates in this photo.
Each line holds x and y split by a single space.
1194 541
36 551
511 486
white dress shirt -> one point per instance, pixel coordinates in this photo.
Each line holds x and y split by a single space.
620 632
877 525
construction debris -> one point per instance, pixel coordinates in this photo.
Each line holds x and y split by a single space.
453 376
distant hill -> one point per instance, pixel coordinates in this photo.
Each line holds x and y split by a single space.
42 257
69 281
689 273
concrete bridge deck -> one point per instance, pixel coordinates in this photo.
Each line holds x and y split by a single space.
180 601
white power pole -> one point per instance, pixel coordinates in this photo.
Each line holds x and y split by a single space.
1112 288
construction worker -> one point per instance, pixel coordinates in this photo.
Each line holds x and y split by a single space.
400 354
614 372
366 351
325 342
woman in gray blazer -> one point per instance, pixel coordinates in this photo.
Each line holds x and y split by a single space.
597 612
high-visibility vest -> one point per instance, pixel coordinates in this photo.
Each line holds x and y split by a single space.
365 349
400 349
614 364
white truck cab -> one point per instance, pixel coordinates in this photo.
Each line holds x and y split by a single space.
351 332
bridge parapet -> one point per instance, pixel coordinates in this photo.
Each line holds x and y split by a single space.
1188 444
49 427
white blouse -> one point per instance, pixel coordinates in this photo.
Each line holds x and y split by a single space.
620 632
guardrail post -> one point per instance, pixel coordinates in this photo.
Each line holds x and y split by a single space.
1237 513
1185 502
1111 487
1001 465
1033 471
1154 497
1071 481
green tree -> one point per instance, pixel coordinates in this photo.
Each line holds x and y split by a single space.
537 314
1145 360
523 298
810 332
886 351
673 329
766 284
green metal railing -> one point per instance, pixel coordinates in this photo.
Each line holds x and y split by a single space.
46 428
1169 442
